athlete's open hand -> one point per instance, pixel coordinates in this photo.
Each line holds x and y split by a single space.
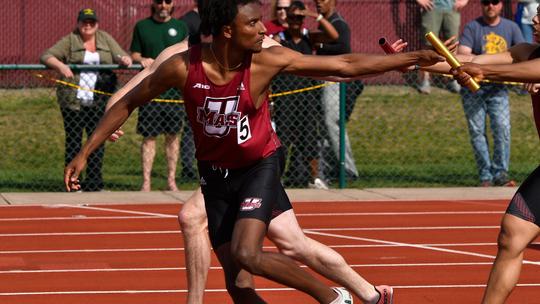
399 45
72 172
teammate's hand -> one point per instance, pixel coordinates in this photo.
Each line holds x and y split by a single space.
72 172
116 135
532 88
399 45
464 73
428 57
452 44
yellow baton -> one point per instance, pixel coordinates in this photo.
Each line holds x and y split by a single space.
454 63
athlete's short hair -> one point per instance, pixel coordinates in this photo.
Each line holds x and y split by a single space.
218 13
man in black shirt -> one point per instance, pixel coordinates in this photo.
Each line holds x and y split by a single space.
330 96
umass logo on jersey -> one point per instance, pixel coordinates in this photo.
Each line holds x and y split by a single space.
219 115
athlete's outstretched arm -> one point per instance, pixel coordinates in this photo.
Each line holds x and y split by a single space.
171 73
345 66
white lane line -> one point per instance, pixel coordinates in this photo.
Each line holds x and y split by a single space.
78 217
399 213
89 250
119 211
307 231
29 271
310 229
404 228
89 233
265 247
160 216
83 292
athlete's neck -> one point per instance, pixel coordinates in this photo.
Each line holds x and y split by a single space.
225 57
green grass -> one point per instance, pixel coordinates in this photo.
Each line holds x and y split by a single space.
399 139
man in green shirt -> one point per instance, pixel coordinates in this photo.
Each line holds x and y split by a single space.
151 36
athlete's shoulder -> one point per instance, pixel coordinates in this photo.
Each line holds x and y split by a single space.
525 51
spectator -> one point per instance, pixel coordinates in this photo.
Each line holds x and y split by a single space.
526 10
442 17
297 115
278 24
192 20
329 162
150 37
82 108
489 34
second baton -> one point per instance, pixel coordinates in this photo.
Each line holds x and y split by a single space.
450 58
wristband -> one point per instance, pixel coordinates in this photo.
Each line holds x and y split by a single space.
319 18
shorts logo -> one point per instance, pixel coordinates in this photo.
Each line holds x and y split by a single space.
219 115
250 204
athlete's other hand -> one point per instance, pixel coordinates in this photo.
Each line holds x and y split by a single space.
116 135
532 88
72 172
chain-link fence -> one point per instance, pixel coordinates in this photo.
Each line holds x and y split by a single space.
395 136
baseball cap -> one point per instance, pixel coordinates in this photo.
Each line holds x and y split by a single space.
87 13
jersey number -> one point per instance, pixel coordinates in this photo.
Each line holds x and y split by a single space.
242 130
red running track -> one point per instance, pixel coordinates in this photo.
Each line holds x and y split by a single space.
430 251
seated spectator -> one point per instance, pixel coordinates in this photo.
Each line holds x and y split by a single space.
278 23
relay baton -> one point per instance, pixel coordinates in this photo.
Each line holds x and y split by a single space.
387 48
454 63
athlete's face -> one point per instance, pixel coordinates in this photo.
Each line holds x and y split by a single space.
247 28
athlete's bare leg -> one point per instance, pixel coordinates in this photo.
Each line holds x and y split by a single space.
285 232
246 251
148 152
172 148
193 221
239 282
514 237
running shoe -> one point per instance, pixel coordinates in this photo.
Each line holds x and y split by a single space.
344 296
387 294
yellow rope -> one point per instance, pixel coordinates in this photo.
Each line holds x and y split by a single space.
490 81
69 84
75 86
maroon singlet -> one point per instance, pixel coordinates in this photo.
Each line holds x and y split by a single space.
228 130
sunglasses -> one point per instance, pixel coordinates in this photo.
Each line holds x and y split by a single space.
295 17
161 1
488 2
279 8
